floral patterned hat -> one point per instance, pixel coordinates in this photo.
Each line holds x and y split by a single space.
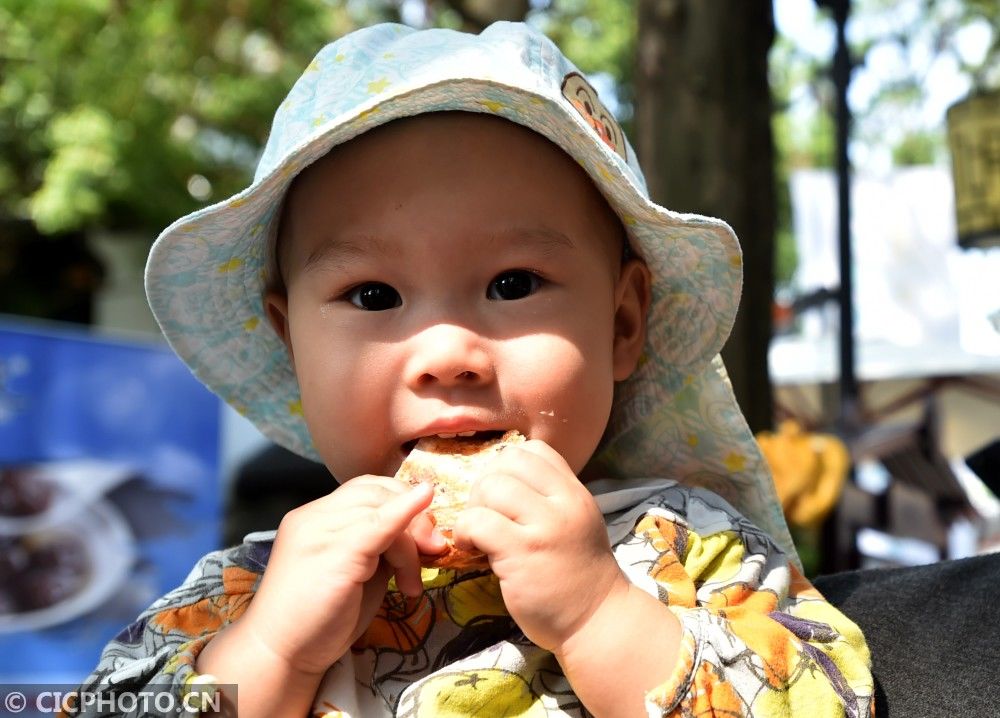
676 417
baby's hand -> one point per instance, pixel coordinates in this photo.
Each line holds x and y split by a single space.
546 541
329 567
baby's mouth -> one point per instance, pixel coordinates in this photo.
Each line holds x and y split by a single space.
472 437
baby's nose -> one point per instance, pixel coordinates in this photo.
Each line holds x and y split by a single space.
448 355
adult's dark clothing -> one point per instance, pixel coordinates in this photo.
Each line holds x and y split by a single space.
934 634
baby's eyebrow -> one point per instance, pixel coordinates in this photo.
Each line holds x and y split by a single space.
335 251
545 239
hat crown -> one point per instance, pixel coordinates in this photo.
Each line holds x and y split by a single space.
366 67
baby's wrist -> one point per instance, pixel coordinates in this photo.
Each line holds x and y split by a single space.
282 658
602 623
265 680
630 628
246 643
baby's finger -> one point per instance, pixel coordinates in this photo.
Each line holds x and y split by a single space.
400 510
539 466
390 519
336 509
429 539
386 482
482 529
509 496
402 557
363 491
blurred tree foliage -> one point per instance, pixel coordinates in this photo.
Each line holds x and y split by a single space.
919 37
129 114
913 38
599 36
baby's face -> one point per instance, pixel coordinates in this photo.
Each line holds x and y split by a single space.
453 273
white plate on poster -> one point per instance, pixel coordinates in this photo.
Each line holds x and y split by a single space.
75 485
110 550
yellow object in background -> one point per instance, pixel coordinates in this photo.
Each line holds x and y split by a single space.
809 471
973 136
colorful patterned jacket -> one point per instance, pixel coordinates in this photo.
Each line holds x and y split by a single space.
758 639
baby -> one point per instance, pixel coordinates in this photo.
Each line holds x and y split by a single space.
449 235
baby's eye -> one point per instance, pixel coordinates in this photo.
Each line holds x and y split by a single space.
515 284
374 297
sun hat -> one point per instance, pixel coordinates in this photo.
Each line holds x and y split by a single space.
675 418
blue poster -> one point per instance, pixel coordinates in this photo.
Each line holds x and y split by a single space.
109 491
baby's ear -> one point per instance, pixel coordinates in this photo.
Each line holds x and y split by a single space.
632 299
276 306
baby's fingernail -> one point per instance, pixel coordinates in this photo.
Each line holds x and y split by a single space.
438 540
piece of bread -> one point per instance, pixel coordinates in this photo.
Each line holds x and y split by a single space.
452 466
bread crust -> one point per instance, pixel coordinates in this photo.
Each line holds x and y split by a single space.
452 466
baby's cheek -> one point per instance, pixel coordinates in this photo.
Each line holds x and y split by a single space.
344 430
568 396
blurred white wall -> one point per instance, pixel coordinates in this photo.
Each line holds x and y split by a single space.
923 304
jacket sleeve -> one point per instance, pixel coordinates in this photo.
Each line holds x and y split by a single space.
758 639
156 653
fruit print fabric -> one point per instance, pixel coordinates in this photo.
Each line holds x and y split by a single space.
758 639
